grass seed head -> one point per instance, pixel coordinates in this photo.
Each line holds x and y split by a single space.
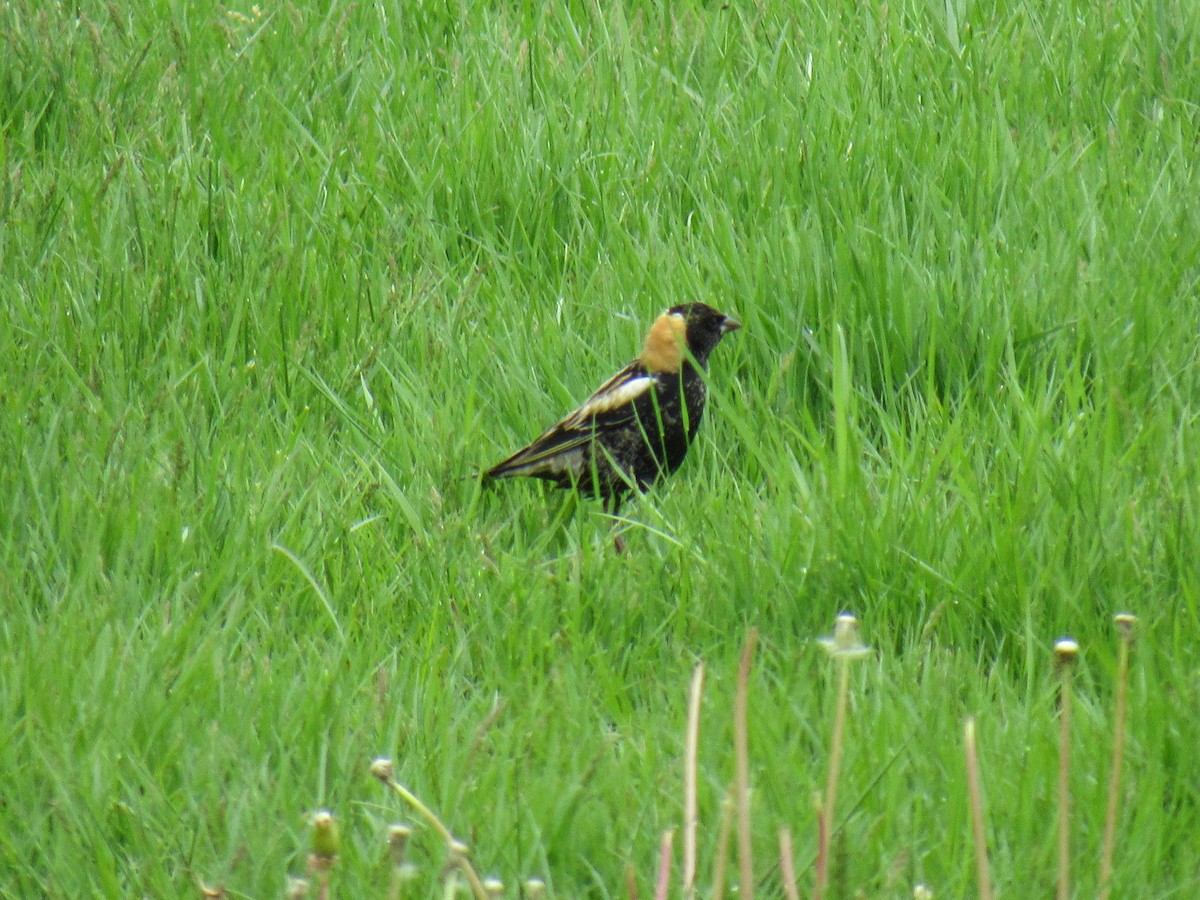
397 839
326 836
383 769
1066 651
844 643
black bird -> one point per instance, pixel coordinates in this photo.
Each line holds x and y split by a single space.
638 426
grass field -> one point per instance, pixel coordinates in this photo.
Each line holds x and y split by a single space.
276 281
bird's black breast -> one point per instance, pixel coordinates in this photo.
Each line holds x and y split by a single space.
666 420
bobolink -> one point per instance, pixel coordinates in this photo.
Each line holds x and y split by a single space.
637 427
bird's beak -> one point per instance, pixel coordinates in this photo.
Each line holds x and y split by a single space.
730 325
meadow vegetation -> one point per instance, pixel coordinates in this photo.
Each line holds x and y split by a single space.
276 281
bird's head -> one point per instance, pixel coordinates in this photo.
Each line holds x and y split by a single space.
704 327
696 326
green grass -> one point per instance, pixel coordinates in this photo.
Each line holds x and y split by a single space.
274 284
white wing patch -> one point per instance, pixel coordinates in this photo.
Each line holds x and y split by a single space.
568 463
607 401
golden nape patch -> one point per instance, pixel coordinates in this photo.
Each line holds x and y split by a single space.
664 344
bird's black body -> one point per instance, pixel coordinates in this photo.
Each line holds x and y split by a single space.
635 444
638 426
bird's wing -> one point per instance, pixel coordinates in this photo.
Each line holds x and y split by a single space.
611 406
